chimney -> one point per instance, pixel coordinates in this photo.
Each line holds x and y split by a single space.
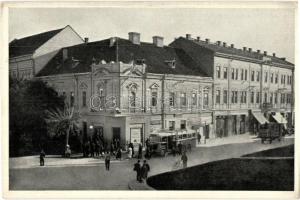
86 40
219 43
250 50
207 41
158 41
258 51
188 36
65 54
232 45
224 44
134 37
244 48
274 54
265 53
283 58
198 39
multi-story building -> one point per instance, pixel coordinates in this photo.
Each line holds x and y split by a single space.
27 56
247 85
127 89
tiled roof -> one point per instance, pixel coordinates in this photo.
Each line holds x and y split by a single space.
154 57
28 45
234 51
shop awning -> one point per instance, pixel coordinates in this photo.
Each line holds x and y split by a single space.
260 117
279 118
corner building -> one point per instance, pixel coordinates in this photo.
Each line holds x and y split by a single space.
249 87
127 89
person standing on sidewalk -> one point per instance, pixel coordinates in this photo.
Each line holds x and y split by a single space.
42 158
140 152
107 161
137 168
184 159
145 170
199 138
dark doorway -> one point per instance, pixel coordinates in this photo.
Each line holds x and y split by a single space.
116 133
206 131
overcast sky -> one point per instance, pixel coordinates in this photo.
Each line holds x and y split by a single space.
265 29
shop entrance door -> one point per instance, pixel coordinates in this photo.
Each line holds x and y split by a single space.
116 133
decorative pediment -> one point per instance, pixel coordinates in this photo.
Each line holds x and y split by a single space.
132 86
100 84
101 70
154 86
83 86
132 70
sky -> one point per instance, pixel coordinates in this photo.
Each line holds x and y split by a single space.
267 29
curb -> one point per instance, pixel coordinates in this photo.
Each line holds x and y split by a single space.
135 185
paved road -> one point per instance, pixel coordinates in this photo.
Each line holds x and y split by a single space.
94 177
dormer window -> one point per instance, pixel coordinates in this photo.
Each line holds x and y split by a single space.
171 63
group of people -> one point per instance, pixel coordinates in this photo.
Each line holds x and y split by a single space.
141 170
92 148
139 155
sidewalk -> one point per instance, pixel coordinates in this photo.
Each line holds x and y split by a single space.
235 139
56 161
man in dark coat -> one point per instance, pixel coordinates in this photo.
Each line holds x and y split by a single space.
140 155
184 160
180 148
145 170
42 158
137 168
199 138
107 161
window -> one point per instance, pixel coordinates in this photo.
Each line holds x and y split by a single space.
172 99
235 97
218 93
283 98
225 96
182 124
83 98
288 98
257 76
132 99
266 77
242 74
245 96
257 97
72 99
271 97
265 98
252 97
232 96
232 74
225 73
236 74
275 98
271 77
218 71
246 75
283 79
171 125
276 78
252 75
205 98
154 98
183 99
194 99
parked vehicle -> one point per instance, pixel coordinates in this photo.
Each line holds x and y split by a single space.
163 142
270 132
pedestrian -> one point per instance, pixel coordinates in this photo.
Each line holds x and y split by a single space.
180 148
118 143
92 149
42 158
132 147
119 154
140 152
184 160
112 147
148 153
129 152
137 168
199 138
174 150
107 161
145 170
97 148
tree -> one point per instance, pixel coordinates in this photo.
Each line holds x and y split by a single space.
28 101
62 122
